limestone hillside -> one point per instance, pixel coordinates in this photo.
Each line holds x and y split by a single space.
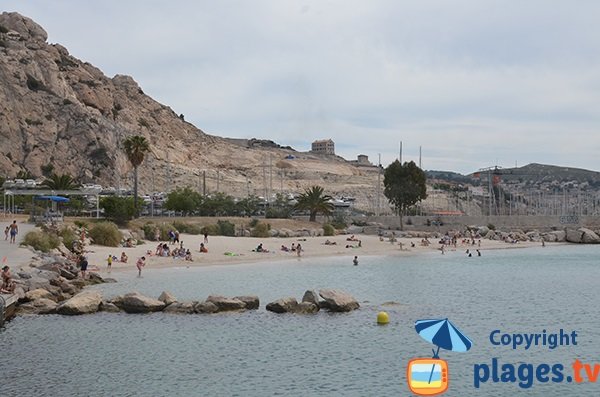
58 110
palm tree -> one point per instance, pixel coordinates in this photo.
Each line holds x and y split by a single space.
60 182
314 201
135 148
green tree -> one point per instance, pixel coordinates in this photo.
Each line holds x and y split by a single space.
247 206
185 200
314 201
404 186
135 148
280 208
217 204
60 182
118 209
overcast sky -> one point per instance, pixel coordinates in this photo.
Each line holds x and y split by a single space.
475 83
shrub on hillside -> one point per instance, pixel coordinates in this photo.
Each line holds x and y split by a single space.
68 236
328 230
149 229
211 230
226 228
189 228
41 241
81 224
261 230
106 234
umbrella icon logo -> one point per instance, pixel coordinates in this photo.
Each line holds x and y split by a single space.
429 376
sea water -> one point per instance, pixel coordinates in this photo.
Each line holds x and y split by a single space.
258 353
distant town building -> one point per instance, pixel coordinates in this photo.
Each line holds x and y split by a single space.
324 146
363 159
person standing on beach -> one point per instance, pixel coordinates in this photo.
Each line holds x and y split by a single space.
83 264
205 238
299 249
6 231
109 263
140 264
355 261
14 230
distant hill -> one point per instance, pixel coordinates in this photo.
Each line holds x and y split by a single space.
60 113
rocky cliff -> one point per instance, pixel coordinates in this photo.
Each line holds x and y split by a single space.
58 110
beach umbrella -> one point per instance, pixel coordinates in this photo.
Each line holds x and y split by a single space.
443 334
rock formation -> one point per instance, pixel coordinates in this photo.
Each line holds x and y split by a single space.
58 111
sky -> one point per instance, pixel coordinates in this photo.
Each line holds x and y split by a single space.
474 83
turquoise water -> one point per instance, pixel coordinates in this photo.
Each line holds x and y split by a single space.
263 354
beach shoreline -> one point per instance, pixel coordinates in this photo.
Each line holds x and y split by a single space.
241 250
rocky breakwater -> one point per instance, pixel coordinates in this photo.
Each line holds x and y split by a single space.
49 283
580 235
332 300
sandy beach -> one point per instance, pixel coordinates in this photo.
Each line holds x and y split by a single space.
240 250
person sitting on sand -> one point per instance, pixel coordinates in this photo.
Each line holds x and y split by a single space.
284 248
159 249
124 257
8 285
352 238
293 249
203 248
328 242
261 249
188 256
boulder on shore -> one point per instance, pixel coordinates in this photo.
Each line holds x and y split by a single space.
252 302
283 305
83 303
589 236
137 303
39 293
38 306
339 301
225 304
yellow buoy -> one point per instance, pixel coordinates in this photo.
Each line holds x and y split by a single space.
383 318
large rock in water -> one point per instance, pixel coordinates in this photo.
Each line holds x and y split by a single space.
137 303
311 296
38 306
83 303
574 236
180 308
589 236
306 308
167 297
205 308
252 302
339 301
283 305
225 304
